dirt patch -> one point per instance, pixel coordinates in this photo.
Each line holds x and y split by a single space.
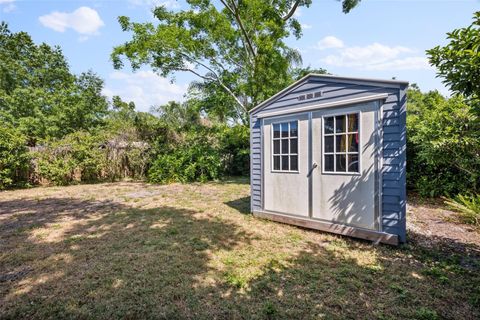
431 219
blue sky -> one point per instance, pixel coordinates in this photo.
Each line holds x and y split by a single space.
379 39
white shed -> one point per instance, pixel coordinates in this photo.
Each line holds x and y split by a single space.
328 153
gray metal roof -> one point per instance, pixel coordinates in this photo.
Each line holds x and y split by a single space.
328 77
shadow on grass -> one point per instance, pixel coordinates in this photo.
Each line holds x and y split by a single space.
241 205
115 261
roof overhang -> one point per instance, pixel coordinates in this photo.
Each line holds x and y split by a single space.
340 103
332 78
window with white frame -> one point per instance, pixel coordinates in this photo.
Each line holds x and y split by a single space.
341 143
285 146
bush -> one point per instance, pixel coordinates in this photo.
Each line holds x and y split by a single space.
443 145
467 206
87 157
14 158
75 158
196 158
235 149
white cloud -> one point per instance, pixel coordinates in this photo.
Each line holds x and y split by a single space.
145 88
374 56
86 21
329 42
7 5
169 4
306 26
409 63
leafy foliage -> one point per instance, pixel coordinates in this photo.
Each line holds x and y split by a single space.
194 148
443 144
14 158
235 150
75 158
236 48
194 159
39 95
458 62
87 157
468 206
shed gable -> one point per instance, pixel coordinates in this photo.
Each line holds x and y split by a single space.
319 89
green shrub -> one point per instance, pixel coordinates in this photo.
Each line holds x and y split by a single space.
467 206
75 158
14 158
197 158
235 149
443 144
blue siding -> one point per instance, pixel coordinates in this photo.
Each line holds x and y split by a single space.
255 163
393 187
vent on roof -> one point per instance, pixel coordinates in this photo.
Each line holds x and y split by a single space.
317 94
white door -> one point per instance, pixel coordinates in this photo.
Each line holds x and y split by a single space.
344 186
285 159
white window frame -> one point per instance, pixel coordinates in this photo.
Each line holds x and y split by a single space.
289 154
346 153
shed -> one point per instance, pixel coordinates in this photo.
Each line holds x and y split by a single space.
329 153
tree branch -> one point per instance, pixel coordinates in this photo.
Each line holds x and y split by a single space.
234 10
216 79
292 11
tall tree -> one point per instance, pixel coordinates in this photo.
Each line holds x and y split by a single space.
458 62
38 93
237 46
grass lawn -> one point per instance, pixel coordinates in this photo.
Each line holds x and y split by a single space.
134 250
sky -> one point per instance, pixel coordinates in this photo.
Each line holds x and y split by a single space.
379 39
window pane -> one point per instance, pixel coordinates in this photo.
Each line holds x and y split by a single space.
284 162
284 129
276 146
284 146
276 162
293 129
353 142
329 144
353 122
329 162
340 144
340 123
294 163
340 163
353 162
293 145
328 126
276 130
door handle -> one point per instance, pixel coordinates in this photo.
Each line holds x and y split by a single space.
314 165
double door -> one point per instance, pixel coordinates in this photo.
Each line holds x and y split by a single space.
323 165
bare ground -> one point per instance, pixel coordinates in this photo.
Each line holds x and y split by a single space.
134 250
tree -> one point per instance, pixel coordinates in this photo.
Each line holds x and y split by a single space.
38 93
234 46
14 157
459 61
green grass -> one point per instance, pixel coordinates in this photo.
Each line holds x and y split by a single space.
194 252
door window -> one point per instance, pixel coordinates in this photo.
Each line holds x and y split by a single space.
285 146
341 143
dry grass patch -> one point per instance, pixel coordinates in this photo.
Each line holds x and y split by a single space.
134 250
